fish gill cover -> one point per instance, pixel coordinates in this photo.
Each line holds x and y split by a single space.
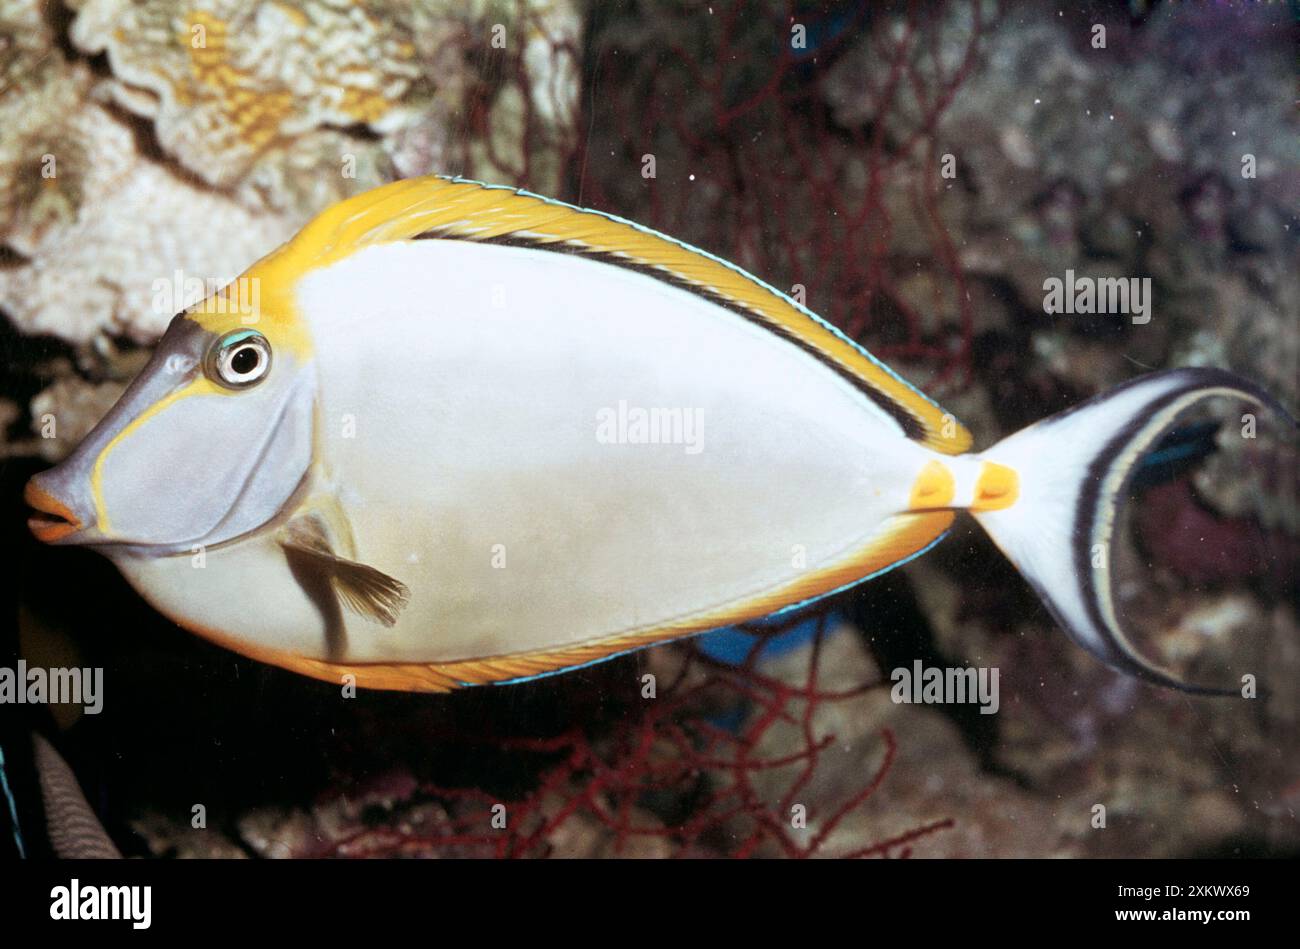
915 174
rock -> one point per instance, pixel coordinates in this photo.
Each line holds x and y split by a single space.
63 414
218 132
174 839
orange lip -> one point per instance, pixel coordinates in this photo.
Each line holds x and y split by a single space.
52 520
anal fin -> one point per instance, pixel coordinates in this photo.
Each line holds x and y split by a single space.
898 539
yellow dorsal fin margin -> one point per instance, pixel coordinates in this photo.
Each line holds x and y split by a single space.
469 210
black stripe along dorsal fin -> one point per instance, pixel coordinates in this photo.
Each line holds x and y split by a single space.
452 208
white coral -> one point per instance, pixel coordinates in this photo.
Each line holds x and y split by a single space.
247 113
138 224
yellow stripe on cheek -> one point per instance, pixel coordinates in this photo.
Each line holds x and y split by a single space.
997 488
933 488
200 386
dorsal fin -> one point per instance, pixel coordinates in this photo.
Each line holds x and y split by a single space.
454 208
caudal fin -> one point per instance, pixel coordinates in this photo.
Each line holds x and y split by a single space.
1074 473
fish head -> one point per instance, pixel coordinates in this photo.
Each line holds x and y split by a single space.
209 443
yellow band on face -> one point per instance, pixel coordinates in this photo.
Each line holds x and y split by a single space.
933 487
997 488
201 385
262 299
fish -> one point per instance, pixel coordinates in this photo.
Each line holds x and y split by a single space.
73 828
471 435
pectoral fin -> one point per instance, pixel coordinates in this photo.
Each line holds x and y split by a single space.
363 589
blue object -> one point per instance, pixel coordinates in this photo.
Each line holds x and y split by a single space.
1176 452
732 644
13 806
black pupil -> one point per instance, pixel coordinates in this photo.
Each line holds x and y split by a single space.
245 360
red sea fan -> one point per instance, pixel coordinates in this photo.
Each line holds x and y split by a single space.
689 773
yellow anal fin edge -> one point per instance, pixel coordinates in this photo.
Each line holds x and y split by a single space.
901 537
455 208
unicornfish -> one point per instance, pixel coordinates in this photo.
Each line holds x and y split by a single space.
472 435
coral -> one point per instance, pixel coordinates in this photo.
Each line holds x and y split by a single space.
96 267
166 838
65 412
254 94
218 129
35 85
281 101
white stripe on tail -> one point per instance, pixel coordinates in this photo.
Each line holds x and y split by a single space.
1074 471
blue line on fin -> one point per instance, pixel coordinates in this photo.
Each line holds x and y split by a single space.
13 807
793 607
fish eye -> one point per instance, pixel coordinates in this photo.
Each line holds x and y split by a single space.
240 359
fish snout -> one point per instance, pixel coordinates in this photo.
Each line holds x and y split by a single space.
53 519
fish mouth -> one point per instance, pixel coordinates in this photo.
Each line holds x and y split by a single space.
51 519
